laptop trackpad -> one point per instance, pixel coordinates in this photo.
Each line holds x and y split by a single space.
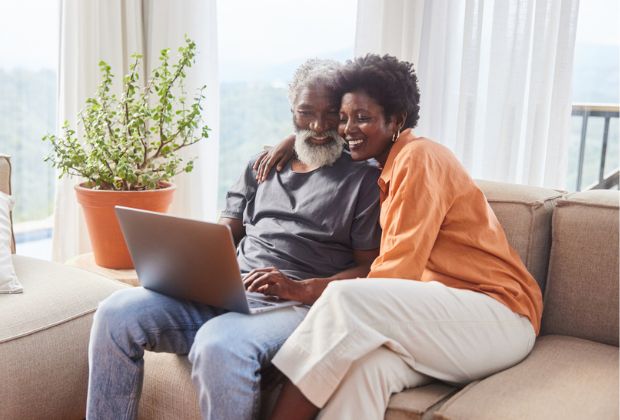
259 302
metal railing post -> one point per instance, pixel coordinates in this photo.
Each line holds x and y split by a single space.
601 172
607 112
582 148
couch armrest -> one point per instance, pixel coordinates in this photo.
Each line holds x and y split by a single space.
5 187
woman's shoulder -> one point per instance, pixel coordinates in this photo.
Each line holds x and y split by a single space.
414 149
423 157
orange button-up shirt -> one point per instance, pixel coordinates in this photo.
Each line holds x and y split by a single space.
437 225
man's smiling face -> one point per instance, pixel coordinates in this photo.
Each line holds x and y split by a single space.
315 116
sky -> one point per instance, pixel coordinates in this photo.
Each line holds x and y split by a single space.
272 31
29 33
598 22
266 32
272 37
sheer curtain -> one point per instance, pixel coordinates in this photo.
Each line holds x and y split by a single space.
112 30
495 78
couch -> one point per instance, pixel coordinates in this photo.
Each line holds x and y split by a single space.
569 242
44 335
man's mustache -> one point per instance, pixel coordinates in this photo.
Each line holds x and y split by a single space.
305 134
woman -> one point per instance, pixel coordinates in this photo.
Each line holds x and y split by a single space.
447 298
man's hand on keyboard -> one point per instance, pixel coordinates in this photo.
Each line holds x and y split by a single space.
270 281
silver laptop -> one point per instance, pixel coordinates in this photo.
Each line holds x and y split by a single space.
189 259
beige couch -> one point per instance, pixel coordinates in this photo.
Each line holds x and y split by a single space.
569 243
44 336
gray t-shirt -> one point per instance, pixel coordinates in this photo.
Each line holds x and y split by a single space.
306 224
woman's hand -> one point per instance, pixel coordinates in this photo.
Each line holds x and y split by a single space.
279 156
270 281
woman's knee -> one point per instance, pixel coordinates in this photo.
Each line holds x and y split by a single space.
342 294
339 304
383 368
367 386
374 365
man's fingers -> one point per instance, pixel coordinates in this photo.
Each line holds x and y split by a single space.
261 280
271 289
254 274
249 279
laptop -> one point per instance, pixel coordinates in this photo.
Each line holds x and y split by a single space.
190 259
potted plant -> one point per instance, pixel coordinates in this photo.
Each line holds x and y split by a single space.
129 147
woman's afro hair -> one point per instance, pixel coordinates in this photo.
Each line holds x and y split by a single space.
392 83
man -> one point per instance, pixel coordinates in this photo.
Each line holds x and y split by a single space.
314 222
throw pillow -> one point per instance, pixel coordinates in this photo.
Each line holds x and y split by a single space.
8 278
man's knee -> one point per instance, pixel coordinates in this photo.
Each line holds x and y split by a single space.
115 308
123 310
218 343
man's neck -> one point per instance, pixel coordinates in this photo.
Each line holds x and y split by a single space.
299 166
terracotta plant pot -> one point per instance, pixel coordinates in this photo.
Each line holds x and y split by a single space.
105 233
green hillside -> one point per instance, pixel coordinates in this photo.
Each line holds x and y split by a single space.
27 112
251 115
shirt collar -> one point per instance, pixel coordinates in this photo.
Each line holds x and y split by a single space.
402 140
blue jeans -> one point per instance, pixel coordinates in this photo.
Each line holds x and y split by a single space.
226 349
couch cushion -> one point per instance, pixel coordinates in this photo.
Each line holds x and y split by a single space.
525 214
44 340
563 378
5 174
9 283
581 299
417 403
168 393
5 185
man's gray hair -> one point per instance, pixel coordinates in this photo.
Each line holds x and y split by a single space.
312 71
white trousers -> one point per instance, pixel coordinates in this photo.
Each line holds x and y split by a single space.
366 339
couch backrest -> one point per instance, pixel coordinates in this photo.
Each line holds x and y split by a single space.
581 299
5 186
525 214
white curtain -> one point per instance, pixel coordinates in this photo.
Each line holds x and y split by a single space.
495 78
112 30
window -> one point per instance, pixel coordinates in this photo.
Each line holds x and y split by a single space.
28 74
596 95
261 44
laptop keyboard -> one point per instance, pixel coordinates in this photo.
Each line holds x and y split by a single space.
255 303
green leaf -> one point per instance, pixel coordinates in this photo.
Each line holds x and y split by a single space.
121 146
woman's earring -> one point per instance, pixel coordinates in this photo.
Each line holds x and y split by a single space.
395 136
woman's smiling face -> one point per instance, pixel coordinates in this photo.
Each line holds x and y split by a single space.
364 126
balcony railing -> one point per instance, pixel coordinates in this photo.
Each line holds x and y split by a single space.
606 179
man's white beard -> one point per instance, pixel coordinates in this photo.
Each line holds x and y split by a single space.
315 154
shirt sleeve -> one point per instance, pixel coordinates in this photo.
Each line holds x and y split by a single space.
240 194
415 208
366 231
